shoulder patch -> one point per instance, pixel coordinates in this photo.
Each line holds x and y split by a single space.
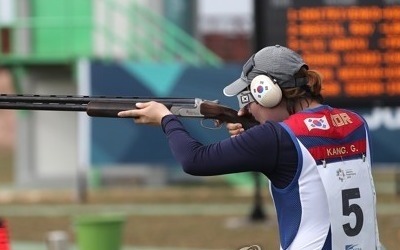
330 123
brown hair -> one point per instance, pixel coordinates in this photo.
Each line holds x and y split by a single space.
310 91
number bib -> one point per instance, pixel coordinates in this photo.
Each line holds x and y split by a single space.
351 200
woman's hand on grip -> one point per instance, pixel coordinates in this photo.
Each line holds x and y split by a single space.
235 129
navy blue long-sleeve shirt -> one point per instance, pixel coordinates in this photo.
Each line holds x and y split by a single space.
266 148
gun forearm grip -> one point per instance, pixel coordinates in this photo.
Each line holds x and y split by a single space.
112 108
108 109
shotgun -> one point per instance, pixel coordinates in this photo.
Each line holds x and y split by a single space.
104 106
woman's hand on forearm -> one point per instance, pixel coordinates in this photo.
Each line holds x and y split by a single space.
150 113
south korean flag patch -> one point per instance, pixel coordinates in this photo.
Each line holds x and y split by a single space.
317 123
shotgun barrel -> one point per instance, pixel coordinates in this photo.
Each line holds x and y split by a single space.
79 103
106 106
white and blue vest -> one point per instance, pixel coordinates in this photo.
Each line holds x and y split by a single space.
331 202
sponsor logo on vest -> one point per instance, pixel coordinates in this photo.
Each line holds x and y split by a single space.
345 174
352 247
340 174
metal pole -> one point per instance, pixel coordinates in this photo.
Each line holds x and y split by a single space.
258 213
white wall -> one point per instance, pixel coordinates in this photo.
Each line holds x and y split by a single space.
46 150
7 12
54 135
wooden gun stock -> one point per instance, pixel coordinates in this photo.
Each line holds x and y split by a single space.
222 113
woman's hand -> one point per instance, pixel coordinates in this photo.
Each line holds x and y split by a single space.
147 113
235 129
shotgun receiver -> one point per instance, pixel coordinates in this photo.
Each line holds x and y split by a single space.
103 106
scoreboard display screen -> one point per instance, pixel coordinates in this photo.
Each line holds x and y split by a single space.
355 45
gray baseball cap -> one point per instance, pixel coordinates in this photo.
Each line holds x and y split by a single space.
278 62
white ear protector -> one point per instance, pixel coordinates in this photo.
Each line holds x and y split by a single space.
265 91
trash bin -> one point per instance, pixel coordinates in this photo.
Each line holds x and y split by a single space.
99 232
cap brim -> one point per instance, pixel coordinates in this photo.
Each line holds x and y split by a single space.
235 88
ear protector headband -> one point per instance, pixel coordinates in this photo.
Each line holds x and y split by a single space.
264 89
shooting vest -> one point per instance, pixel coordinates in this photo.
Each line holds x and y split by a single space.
331 202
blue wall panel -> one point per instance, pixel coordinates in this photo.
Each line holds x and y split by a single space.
120 141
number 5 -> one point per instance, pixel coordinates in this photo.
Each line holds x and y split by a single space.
347 195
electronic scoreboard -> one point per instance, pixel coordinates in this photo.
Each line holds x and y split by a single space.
355 45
